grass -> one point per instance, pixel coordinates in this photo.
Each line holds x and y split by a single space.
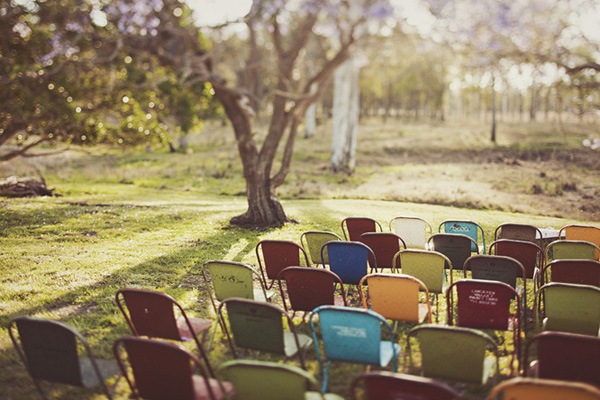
152 219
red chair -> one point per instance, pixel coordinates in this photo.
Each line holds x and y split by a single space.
529 254
385 245
353 227
389 385
583 272
566 356
307 288
483 304
165 371
275 255
153 314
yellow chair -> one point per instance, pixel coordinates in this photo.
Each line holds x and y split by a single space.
543 389
396 297
571 249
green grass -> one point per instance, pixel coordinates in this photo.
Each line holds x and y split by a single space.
151 220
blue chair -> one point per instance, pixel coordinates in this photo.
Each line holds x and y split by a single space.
352 335
469 228
349 260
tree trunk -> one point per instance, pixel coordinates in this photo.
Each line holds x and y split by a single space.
345 117
493 136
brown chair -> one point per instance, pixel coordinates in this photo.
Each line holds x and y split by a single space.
157 315
543 389
514 231
456 247
275 255
164 371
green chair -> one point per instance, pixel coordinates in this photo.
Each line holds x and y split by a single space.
430 267
259 326
568 307
313 241
571 249
272 381
455 353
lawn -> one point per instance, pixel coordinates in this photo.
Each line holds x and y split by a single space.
151 219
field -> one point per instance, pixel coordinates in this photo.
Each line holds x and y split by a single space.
151 218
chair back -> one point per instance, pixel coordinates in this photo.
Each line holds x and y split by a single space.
149 313
230 279
394 296
379 385
571 249
587 233
313 241
308 288
161 370
456 247
413 230
569 307
265 380
495 268
450 352
275 255
566 356
353 227
384 245
543 389
529 254
514 231
427 266
348 260
582 272
469 228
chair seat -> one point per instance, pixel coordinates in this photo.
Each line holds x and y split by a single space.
320 396
198 325
573 326
201 391
423 312
89 378
289 343
489 369
259 295
387 351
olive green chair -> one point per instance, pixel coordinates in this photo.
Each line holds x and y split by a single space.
313 241
571 249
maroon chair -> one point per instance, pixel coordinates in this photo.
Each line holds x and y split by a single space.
307 288
583 272
514 231
565 356
385 245
353 227
275 255
157 315
389 385
529 254
164 371
485 304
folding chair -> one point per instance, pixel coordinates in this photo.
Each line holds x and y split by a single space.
514 231
581 272
349 260
396 297
413 230
163 371
272 381
385 245
469 228
256 325
587 233
568 307
153 314
565 356
529 254
498 268
275 255
483 304
352 335
455 353
543 389
430 267
456 247
307 288
353 227
380 385
313 241
571 249
56 353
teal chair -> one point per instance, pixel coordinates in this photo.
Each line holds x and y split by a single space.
469 228
454 353
265 380
352 335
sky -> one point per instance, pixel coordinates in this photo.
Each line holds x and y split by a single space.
213 12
